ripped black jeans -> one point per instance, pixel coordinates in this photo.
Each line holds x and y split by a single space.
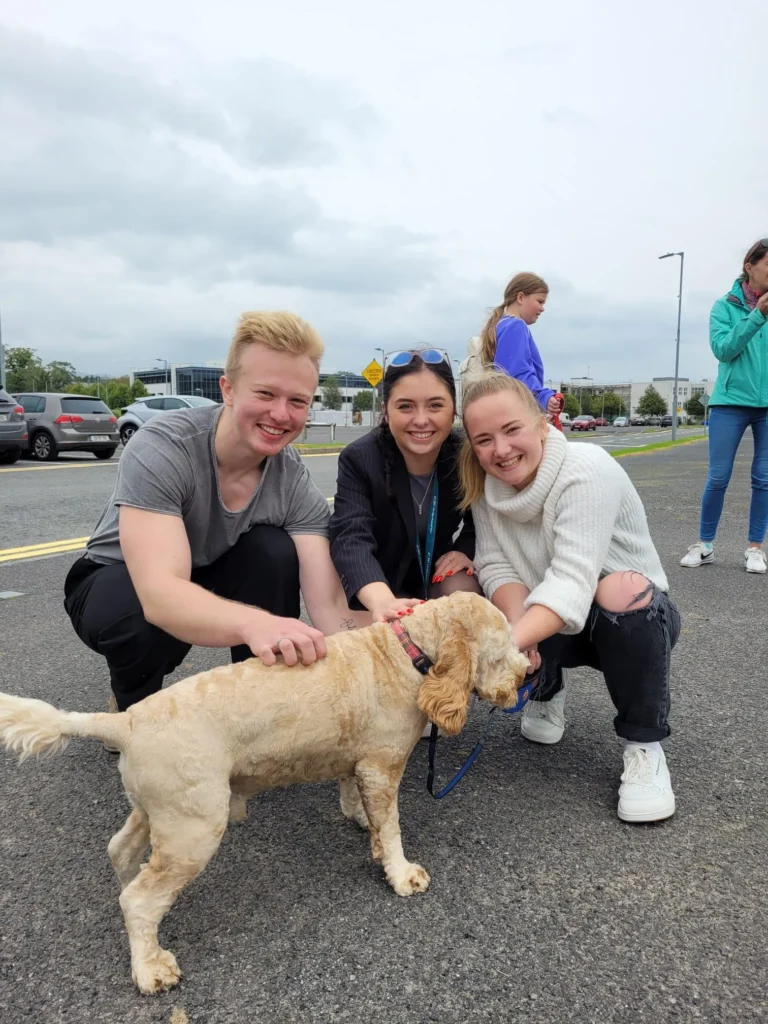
633 651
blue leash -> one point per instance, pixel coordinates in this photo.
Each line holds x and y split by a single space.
523 696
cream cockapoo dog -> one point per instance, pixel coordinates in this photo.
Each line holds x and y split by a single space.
192 754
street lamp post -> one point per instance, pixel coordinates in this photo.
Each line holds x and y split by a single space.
581 389
677 344
458 384
373 403
165 368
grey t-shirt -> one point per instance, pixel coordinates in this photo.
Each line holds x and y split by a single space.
170 466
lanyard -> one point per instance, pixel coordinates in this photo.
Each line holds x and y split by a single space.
425 559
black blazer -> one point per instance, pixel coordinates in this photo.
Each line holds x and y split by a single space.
373 532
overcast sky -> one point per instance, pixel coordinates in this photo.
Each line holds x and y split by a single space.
381 169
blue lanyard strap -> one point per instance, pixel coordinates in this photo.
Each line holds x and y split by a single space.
425 559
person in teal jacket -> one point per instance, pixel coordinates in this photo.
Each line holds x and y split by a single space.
738 336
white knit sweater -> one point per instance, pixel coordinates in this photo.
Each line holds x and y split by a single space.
579 520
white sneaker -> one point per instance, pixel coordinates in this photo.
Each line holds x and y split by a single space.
754 560
698 554
544 721
645 793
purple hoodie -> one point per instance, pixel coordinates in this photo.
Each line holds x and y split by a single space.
517 355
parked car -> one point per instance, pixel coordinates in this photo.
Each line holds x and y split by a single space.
666 421
68 423
143 409
13 429
638 421
654 421
601 421
621 421
584 423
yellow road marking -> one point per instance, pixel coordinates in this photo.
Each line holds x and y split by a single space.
45 544
59 465
52 547
59 547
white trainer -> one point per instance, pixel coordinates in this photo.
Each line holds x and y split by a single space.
698 554
544 721
645 793
754 560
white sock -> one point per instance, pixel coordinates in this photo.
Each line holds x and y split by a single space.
652 748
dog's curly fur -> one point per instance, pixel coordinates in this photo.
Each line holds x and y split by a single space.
192 754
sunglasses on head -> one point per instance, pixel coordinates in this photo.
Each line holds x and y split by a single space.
427 355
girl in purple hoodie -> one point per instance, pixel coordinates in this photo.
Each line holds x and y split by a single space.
507 343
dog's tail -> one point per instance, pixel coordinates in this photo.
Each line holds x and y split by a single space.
30 727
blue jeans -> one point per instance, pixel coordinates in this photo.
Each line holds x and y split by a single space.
727 426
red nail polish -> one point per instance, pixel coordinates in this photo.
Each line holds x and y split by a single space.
450 573
469 572
409 612
434 579
422 602
400 613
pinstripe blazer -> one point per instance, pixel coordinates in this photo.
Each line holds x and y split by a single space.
373 527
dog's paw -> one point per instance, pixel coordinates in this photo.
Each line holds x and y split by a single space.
157 974
414 879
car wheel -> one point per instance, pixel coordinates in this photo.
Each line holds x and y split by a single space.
105 453
44 447
6 458
127 432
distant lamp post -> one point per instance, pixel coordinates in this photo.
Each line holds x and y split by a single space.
167 376
581 389
373 402
677 345
458 384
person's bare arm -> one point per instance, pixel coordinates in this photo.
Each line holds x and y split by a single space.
324 595
156 552
530 626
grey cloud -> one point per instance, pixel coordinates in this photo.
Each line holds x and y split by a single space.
107 152
268 114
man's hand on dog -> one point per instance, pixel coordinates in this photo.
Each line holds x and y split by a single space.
269 635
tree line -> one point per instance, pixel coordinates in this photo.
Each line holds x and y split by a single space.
25 371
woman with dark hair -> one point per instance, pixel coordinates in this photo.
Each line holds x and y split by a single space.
738 336
396 515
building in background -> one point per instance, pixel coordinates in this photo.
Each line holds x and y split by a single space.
630 392
203 379
200 379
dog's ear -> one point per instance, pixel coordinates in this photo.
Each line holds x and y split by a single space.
444 694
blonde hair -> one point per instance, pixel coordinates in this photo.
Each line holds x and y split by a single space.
526 283
471 473
282 332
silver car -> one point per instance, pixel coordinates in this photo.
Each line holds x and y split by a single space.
68 423
143 409
13 429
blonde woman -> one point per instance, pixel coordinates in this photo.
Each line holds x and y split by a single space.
563 549
506 341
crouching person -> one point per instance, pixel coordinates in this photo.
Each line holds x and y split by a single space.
563 549
215 528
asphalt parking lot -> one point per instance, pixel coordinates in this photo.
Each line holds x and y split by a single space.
544 907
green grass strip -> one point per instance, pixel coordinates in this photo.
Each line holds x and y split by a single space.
621 453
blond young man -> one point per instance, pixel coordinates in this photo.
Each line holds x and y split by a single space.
215 528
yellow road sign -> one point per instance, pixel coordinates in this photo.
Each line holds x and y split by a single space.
373 373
